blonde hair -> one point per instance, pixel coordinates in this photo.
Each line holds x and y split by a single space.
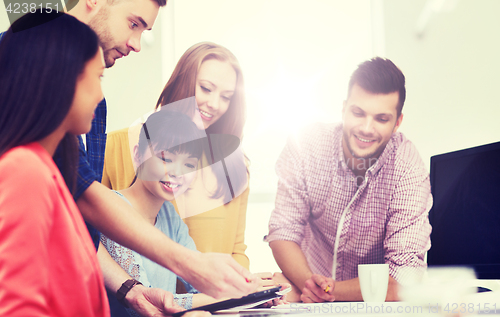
182 84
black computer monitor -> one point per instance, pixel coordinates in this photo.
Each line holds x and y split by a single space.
465 216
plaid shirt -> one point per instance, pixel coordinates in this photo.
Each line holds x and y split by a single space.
386 217
90 166
96 141
91 161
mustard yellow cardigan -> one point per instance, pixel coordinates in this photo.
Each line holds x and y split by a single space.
214 227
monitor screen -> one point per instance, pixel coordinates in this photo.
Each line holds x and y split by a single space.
465 216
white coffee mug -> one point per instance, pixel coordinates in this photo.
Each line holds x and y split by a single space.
373 280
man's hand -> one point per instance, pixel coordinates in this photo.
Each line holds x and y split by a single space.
318 289
149 302
217 275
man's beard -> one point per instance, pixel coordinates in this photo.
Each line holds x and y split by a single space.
98 24
355 155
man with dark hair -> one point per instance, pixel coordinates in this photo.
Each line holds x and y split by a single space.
352 193
380 76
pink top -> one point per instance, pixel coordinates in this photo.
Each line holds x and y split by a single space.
387 221
48 264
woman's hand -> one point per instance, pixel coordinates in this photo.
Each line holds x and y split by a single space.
149 302
280 300
293 295
265 281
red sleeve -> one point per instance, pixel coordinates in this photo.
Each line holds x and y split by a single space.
26 212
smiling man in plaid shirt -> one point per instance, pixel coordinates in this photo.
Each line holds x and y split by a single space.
352 193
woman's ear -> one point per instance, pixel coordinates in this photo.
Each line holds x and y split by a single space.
136 158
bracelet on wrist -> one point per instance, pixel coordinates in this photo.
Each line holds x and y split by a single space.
124 289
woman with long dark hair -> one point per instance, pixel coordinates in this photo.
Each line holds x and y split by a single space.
50 69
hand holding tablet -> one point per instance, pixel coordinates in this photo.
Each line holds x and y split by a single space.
248 301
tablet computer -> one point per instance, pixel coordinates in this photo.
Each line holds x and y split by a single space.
254 298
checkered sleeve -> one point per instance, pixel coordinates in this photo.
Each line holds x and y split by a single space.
408 229
96 141
91 162
290 216
86 175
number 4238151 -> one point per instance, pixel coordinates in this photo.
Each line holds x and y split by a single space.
471 308
31 7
